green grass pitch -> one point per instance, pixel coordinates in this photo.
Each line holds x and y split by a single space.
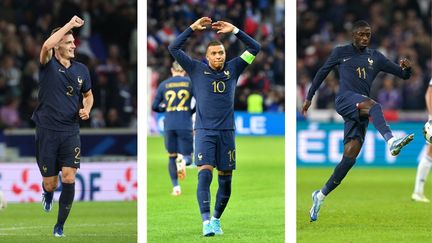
87 222
371 205
255 212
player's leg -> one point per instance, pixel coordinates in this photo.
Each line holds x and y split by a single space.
226 164
422 173
69 157
170 139
46 146
354 133
205 158
185 145
371 108
66 199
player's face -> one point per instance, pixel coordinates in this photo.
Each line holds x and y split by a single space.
362 37
216 56
66 47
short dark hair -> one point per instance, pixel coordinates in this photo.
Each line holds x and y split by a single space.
360 24
70 32
214 43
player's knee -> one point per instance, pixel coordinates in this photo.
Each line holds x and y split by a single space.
205 167
352 148
50 186
367 104
224 172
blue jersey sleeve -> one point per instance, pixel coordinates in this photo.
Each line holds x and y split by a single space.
390 67
158 100
180 56
253 47
87 82
322 73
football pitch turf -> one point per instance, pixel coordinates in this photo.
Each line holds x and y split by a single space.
255 212
87 222
371 205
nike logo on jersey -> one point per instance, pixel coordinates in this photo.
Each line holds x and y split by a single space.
346 59
61 70
205 72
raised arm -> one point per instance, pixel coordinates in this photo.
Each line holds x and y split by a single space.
402 71
319 78
46 50
175 47
253 47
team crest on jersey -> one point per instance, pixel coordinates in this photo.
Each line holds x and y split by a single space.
44 168
200 156
80 82
370 61
227 73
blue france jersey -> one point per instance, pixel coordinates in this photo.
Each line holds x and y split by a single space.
176 93
357 69
214 90
59 95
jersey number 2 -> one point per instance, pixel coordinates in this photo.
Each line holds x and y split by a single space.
183 95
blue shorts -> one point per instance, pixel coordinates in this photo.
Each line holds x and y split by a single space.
355 126
215 148
179 141
56 149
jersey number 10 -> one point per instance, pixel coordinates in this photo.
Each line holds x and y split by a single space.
183 95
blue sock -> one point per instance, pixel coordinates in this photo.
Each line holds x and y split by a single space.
188 159
203 193
379 122
338 175
65 202
223 194
172 169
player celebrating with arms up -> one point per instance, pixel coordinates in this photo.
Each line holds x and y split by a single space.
214 88
58 145
174 97
358 66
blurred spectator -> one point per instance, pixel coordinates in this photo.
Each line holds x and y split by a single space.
25 25
389 96
113 119
255 103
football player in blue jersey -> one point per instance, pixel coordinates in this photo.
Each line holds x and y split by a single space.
214 85
174 97
358 66
62 81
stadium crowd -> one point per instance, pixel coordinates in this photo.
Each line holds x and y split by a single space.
261 19
106 44
400 28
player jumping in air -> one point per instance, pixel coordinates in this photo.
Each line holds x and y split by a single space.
58 145
426 162
214 88
174 98
358 66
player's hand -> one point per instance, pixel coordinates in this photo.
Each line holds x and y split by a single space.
404 63
201 23
222 27
306 105
76 22
84 114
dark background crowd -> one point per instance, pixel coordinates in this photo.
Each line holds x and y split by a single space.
107 44
261 19
400 28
